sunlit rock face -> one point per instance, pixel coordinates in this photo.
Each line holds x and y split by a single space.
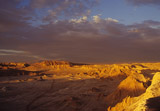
128 87
13 65
54 63
148 101
66 86
48 65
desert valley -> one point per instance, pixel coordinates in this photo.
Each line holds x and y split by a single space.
66 86
79 55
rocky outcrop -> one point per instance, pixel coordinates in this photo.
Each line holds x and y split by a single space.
128 87
13 65
47 65
54 63
149 101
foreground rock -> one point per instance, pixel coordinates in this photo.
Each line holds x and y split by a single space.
149 101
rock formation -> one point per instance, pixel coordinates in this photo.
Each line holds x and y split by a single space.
66 86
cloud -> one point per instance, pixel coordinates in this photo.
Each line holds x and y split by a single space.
53 9
152 23
12 51
4 54
96 18
111 20
9 55
144 2
37 12
89 41
80 20
77 39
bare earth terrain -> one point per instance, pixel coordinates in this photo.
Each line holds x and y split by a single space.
65 86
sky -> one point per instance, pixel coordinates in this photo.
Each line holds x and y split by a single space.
84 31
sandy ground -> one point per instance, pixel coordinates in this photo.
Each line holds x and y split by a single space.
54 94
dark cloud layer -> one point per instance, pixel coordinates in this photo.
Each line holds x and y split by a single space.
78 40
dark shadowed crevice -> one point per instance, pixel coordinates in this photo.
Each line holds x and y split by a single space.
153 104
